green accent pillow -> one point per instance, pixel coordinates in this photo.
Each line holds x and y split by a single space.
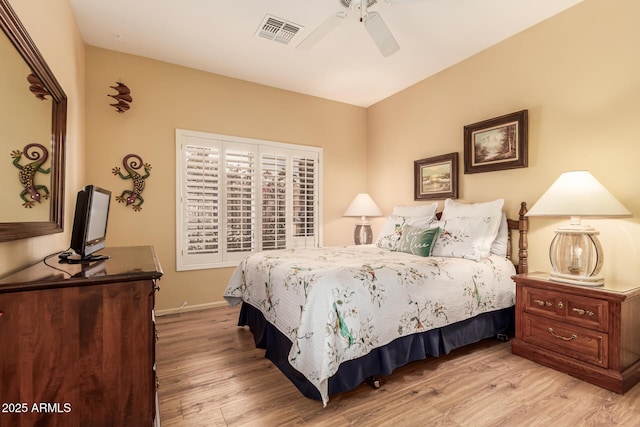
418 241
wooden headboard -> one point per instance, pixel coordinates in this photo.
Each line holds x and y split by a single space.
522 226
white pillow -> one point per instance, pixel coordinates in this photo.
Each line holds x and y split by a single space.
454 209
499 245
392 230
416 211
469 237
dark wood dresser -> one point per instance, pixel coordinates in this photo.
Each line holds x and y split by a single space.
77 342
592 333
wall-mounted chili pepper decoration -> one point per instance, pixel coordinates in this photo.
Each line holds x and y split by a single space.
123 97
36 87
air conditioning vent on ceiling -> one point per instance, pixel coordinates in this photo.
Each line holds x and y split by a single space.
278 29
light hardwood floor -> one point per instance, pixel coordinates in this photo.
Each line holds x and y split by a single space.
211 374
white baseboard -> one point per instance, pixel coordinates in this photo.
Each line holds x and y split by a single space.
186 308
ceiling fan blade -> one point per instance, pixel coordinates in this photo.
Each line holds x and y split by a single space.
320 32
380 34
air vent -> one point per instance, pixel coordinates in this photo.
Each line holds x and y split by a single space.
278 29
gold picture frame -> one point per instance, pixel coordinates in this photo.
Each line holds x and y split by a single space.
436 177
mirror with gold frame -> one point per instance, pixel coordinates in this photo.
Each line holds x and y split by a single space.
33 112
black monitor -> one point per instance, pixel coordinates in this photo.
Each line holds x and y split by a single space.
89 232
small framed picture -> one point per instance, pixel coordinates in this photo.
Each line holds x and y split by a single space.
436 177
496 144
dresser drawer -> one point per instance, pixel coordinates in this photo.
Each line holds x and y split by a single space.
573 341
577 310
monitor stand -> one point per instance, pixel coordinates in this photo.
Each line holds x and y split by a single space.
73 258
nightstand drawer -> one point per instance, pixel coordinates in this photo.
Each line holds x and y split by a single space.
578 343
578 310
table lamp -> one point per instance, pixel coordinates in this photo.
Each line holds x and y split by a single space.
363 206
576 253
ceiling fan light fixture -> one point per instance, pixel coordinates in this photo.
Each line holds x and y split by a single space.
348 3
373 22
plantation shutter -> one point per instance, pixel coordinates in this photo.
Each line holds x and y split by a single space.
305 199
201 198
238 195
240 198
274 201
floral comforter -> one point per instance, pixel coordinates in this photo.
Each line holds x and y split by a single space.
337 304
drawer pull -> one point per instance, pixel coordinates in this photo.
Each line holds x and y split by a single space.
560 304
582 312
571 338
542 303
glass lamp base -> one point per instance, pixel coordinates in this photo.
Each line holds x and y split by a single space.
574 280
362 234
576 256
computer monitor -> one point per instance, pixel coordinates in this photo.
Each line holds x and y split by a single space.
89 232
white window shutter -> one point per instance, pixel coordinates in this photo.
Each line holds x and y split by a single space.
305 200
274 200
198 212
240 199
240 195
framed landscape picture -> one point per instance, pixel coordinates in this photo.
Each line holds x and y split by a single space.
436 177
496 144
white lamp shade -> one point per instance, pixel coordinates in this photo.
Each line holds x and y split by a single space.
578 194
576 253
363 205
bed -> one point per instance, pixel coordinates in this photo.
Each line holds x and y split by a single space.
332 318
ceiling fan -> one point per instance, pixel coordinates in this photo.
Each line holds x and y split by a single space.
373 22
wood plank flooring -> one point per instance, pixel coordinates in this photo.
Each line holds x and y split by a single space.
212 375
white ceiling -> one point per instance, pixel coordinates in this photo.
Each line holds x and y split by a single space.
221 37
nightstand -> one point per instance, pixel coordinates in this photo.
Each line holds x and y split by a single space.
591 333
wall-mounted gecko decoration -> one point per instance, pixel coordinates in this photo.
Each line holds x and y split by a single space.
131 163
38 155
123 97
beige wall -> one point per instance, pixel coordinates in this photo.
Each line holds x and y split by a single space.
166 97
52 27
578 74
30 122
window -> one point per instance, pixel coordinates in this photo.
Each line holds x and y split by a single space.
239 195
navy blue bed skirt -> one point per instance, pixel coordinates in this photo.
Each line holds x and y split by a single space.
382 360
